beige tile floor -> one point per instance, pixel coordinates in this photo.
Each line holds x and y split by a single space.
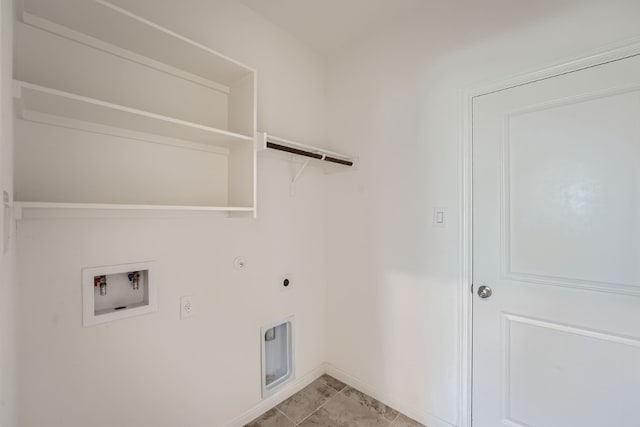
327 402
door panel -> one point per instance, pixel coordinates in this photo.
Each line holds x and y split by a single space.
566 168
556 236
548 377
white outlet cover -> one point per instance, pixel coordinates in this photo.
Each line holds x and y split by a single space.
187 307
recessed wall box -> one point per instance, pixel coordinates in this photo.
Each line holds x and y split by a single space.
277 355
118 291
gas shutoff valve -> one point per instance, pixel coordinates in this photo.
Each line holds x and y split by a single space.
134 278
101 281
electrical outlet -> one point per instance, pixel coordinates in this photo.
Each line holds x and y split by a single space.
187 308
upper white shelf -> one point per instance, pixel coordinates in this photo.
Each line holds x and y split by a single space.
52 106
110 25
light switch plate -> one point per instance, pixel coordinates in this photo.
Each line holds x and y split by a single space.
440 217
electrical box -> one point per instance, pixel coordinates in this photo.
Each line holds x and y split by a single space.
277 355
118 291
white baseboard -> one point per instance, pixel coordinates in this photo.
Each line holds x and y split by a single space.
418 415
288 390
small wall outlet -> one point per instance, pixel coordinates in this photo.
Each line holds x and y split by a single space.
187 308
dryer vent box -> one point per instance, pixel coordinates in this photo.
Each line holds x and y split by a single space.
117 292
277 355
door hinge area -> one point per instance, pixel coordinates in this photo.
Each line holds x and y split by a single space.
472 288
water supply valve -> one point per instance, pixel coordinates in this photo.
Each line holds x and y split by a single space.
134 278
102 282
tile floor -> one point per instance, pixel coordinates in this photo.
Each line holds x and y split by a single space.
327 402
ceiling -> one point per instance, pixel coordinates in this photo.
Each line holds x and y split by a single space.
327 25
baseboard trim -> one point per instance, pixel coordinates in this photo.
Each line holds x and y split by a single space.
426 419
290 389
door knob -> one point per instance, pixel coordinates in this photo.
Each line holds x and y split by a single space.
484 292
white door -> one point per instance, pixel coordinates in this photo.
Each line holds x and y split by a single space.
556 194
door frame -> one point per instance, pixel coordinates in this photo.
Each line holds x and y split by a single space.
597 57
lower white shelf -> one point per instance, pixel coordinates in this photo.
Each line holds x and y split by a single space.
21 206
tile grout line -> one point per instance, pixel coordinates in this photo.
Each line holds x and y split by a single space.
395 418
318 408
381 416
285 415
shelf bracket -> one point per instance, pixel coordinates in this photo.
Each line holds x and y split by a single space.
18 212
299 173
296 176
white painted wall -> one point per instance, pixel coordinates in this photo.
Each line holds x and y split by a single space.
393 279
156 370
392 295
7 260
